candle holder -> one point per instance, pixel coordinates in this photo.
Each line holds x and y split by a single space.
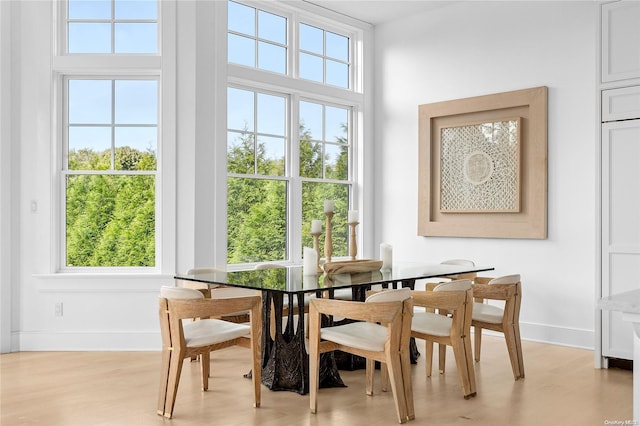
316 247
328 241
353 247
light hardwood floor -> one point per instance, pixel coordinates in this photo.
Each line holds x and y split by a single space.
120 388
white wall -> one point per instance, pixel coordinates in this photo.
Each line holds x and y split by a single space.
477 48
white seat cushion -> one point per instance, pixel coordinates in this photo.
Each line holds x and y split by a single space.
432 324
361 335
210 331
487 313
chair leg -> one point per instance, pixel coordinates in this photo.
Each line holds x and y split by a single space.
405 361
515 350
175 369
384 377
442 357
461 364
516 332
205 361
471 370
477 336
256 358
314 361
164 380
428 356
370 368
397 386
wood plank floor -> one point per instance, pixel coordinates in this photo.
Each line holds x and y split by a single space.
120 388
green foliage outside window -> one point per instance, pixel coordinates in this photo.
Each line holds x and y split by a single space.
110 219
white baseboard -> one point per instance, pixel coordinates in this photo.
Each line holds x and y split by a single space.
151 341
87 341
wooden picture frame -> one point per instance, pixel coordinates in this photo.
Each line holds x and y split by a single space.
483 206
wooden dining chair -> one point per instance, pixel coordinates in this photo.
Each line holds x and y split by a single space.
453 329
381 334
184 339
506 319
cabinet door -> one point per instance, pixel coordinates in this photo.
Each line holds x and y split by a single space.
621 104
620 41
620 228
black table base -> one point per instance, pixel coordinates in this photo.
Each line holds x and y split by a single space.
285 362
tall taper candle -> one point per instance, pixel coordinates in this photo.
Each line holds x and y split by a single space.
328 241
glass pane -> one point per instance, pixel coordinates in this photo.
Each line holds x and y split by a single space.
271 114
89 9
313 196
337 47
310 120
136 38
311 67
337 74
110 220
136 9
272 27
336 124
90 101
311 39
336 161
240 109
270 156
240 153
241 18
272 58
89 148
256 220
241 50
89 38
310 158
136 148
136 102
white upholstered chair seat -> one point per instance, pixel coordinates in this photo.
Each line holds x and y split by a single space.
487 313
361 335
211 331
431 323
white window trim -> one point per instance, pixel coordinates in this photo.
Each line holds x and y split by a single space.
161 66
354 98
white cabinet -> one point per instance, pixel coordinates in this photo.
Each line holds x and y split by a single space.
620 228
619 89
620 40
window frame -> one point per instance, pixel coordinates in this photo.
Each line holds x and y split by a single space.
160 66
299 89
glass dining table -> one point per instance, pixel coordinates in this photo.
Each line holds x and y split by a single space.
285 362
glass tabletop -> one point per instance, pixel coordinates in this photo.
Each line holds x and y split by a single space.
291 280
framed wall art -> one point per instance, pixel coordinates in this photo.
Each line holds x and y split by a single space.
483 166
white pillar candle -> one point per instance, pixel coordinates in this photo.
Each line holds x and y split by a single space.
328 206
386 255
353 216
316 226
309 261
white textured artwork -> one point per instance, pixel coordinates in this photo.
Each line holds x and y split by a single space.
480 167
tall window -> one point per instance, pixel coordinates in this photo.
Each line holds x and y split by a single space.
110 172
110 135
288 150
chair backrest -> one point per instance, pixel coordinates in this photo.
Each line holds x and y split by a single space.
456 285
268 265
180 293
506 279
206 270
463 262
395 295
